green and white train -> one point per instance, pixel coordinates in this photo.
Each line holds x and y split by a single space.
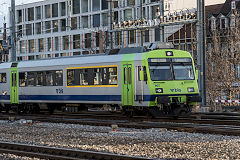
162 81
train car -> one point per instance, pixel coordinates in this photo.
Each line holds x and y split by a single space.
159 81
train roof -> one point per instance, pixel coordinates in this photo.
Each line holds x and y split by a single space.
69 61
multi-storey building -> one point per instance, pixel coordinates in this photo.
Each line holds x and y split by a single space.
58 28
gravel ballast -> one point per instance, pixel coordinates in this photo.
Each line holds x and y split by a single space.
151 143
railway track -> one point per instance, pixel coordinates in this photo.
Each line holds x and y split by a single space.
213 123
44 152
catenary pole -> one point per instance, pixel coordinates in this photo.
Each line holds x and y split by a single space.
12 32
201 48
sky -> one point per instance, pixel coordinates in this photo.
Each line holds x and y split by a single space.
4 4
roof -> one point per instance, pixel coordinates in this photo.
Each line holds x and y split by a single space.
70 61
209 10
226 8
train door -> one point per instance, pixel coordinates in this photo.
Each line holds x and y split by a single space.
14 86
127 87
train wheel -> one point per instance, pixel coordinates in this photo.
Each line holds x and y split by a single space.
50 109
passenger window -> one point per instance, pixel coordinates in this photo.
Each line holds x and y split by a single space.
49 78
3 78
92 76
59 78
23 79
83 77
70 77
39 79
31 79
113 75
97 76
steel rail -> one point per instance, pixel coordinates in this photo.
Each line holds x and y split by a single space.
59 153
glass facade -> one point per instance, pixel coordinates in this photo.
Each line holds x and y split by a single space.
75 27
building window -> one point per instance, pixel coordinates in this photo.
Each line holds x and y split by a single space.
65 42
115 18
147 36
76 6
127 14
96 20
40 45
49 43
47 11
30 14
55 10
55 25
19 16
88 40
155 12
104 19
131 36
38 28
213 24
28 29
96 5
85 21
233 21
63 24
233 5
19 31
38 14
73 23
22 47
118 36
56 44
130 2
63 54
63 8
48 27
84 5
76 41
157 34
223 23
97 39
31 48
30 58
104 4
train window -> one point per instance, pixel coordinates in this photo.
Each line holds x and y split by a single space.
58 78
50 78
23 79
130 75
98 76
31 78
70 77
92 76
39 79
113 75
125 76
3 78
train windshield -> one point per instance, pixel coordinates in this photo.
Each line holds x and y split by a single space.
164 69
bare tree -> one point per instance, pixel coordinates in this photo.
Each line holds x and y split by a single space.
223 64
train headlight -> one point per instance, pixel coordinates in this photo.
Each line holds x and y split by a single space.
169 53
190 89
159 90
